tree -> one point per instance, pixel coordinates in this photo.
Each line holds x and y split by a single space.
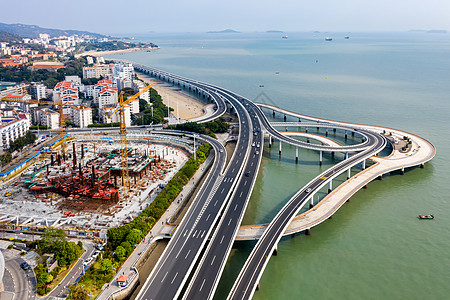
134 237
52 235
106 266
120 253
128 248
143 105
43 278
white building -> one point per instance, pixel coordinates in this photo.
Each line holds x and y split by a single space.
10 131
134 106
139 85
98 71
81 117
49 118
114 118
107 96
38 91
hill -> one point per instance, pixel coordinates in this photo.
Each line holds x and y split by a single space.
33 31
224 31
9 37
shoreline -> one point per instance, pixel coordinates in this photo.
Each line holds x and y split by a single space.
109 52
188 106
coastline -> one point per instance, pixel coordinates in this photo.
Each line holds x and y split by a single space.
188 106
101 53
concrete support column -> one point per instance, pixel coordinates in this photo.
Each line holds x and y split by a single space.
326 131
330 186
346 134
346 155
273 113
270 141
275 251
320 157
402 171
308 231
364 164
296 154
311 201
349 173
285 118
279 152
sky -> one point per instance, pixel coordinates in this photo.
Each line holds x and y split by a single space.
143 16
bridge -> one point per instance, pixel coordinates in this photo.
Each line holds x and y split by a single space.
192 265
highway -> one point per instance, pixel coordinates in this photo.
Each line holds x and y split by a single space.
248 279
169 278
173 268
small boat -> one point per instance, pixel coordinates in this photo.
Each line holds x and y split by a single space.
346 37
285 37
328 39
261 85
426 217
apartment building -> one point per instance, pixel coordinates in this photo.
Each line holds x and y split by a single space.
81 117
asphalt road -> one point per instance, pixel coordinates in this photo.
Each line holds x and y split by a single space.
254 267
16 280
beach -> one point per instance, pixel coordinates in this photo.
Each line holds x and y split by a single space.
188 107
101 53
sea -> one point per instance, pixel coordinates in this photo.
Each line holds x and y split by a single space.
374 247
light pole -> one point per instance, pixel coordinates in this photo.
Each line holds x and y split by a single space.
195 156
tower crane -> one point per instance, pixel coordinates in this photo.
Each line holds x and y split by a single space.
123 135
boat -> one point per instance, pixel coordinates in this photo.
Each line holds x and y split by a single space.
346 37
426 217
328 39
284 37
261 85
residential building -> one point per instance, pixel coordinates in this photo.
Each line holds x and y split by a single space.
107 96
139 85
11 130
81 117
38 91
18 89
49 118
105 112
98 71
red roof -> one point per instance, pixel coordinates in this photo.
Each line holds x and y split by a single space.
122 278
54 67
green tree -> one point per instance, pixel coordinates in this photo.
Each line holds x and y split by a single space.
134 237
52 235
106 266
120 253
143 105
43 277
127 246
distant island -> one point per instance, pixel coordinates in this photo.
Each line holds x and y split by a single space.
274 31
33 31
224 31
429 31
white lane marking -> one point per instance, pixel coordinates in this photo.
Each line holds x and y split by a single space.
208 217
235 207
164 277
251 165
229 222
221 240
245 183
241 194
202 284
193 235
213 260
232 171
222 190
187 254
203 233
185 232
174 278
216 202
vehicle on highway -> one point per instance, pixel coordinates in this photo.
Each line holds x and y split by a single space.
96 253
308 190
247 173
25 266
88 261
256 152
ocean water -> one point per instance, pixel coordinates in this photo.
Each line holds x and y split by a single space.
374 247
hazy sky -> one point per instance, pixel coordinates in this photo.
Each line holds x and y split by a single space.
140 16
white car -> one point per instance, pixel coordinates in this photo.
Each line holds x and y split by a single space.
88 261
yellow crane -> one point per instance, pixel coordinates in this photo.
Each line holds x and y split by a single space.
123 136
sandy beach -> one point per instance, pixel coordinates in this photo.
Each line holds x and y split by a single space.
101 53
188 107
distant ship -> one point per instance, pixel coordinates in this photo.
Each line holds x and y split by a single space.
328 39
284 37
346 37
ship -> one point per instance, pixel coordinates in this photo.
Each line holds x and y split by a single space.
328 39
284 37
346 37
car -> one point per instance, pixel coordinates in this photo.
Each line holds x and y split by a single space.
88 261
99 247
96 253
25 266
253 144
221 150
308 190
247 173
255 133
256 152
257 145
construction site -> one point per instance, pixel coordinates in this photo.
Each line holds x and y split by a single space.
83 187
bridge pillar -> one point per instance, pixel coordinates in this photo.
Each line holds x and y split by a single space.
311 202
353 133
330 186
285 118
299 120
279 152
346 134
275 251
422 166
402 171
346 155
320 157
306 129
296 154
332 154
273 113
257 286
334 129
270 141
364 164
348 173
308 231
326 131
307 140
